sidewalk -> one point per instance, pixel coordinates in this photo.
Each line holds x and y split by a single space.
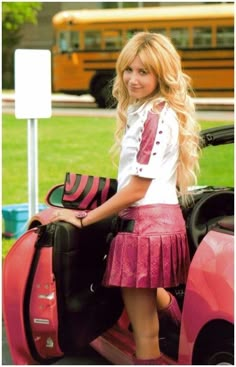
69 100
210 109
59 99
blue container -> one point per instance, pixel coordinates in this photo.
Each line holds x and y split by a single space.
16 218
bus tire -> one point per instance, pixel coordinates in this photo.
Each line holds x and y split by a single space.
101 90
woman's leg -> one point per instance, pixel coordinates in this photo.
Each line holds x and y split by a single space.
163 299
141 306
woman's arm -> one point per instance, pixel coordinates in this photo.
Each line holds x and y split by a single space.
134 191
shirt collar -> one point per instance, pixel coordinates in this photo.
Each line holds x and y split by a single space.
138 109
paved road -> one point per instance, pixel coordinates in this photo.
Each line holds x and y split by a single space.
66 105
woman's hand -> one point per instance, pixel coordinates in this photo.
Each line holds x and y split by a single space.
66 215
131 193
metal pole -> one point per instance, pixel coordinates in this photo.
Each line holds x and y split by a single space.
32 166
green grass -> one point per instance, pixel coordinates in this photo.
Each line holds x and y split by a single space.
79 144
75 144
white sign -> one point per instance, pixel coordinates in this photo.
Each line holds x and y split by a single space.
32 84
32 101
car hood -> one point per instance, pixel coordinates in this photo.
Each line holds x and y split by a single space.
217 136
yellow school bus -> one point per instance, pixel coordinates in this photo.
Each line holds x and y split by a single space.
87 44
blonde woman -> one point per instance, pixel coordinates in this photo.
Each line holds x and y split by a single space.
158 139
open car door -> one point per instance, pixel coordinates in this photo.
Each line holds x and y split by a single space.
53 300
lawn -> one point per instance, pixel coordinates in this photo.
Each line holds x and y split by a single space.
75 144
78 144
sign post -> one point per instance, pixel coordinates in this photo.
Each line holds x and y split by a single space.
32 101
32 140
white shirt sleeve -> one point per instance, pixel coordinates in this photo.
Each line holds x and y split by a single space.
153 143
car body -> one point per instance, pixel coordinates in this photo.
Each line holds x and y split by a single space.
206 335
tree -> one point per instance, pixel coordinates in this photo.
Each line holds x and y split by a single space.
14 16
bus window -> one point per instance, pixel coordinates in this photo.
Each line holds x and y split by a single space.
202 37
92 40
225 37
74 40
112 39
158 30
68 41
131 32
180 37
63 42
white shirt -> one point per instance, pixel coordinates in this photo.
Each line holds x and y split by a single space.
150 149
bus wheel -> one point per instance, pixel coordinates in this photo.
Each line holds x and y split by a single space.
101 90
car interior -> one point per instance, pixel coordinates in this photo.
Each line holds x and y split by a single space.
86 309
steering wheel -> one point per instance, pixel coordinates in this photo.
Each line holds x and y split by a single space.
207 212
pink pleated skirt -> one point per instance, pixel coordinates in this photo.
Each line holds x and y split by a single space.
155 254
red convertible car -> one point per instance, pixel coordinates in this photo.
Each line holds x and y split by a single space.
54 304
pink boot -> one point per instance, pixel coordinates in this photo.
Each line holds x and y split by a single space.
171 313
155 361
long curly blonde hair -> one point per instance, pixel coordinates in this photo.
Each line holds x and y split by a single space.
158 55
